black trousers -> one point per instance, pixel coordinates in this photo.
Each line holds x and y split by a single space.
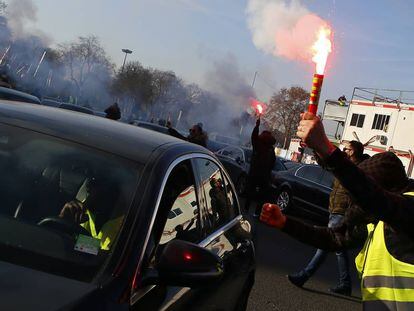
259 190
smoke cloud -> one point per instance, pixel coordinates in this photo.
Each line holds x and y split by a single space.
283 28
21 15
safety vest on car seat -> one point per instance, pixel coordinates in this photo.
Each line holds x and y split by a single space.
386 283
108 232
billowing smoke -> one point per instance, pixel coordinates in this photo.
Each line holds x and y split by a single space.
283 28
22 15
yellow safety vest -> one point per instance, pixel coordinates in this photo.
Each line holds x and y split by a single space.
108 232
386 282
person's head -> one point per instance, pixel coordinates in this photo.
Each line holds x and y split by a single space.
354 150
387 170
196 129
113 112
102 194
267 138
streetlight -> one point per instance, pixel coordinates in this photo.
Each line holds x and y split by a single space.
126 51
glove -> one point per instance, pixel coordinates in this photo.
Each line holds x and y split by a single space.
272 216
258 122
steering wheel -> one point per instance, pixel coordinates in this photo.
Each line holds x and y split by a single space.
63 225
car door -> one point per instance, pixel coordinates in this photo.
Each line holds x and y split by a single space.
228 235
307 192
178 217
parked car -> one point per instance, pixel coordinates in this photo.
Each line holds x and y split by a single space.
14 95
51 102
306 187
151 126
157 225
237 162
72 107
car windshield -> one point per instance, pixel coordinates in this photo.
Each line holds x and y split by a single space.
62 204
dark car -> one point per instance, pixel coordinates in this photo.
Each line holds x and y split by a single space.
237 162
72 107
14 95
306 187
101 215
51 102
151 126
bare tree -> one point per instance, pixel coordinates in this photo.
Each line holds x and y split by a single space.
284 110
85 59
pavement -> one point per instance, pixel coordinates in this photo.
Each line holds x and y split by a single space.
278 255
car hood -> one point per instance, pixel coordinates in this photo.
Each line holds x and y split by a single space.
26 289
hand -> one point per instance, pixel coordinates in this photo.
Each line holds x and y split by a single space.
311 131
73 211
258 121
272 216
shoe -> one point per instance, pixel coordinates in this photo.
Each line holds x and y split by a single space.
341 290
297 279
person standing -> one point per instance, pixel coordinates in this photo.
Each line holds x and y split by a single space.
260 172
382 215
339 201
196 136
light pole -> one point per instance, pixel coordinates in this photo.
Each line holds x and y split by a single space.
126 51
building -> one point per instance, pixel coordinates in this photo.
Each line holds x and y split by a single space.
383 120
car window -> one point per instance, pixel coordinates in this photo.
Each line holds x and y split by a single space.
43 181
180 199
311 173
327 179
219 204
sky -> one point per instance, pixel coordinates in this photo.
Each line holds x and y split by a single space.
372 40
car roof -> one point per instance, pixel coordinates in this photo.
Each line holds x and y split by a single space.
14 95
115 137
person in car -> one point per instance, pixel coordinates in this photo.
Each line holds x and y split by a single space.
383 216
196 136
262 162
339 200
95 211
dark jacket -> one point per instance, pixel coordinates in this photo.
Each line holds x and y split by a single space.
371 203
199 139
263 157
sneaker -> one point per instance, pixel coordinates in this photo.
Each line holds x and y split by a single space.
297 279
341 290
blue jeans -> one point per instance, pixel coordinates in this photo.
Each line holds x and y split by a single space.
342 257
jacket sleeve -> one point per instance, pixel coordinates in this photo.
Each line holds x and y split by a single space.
394 209
174 132
344 236
255 136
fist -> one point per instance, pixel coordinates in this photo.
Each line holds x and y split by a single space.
272 216
73 211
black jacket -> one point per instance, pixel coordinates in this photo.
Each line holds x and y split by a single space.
371 203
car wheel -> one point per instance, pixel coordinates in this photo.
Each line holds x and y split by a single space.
241 185
283 200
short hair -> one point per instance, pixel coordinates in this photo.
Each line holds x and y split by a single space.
358 148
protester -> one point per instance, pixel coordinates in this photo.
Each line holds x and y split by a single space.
196 136
113 112
383 215
260 172
339 201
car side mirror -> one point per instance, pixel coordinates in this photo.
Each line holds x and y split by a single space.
186 264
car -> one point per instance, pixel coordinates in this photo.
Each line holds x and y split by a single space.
51 102
101 215
72 107
306 187
14 95
237 162
151 126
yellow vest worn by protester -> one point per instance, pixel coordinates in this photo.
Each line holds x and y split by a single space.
108 232
386 282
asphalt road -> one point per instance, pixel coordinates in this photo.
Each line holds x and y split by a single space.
278 255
